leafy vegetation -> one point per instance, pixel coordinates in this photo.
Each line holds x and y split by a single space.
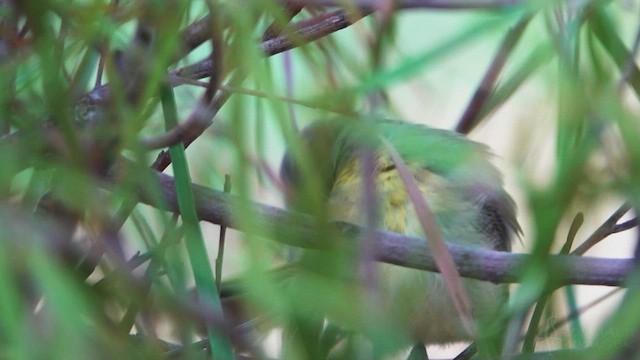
112 110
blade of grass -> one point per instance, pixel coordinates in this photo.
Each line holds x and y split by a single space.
532 331
12 306
604 29
441 254
222 238
413 65
577 331
197 252
541 55
68 304
159 248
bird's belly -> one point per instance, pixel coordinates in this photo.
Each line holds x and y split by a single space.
420 299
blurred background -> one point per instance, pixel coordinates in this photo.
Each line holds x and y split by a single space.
91 90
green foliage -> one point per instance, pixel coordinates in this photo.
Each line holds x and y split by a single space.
102 257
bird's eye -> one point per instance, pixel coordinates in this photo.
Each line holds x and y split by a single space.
389 167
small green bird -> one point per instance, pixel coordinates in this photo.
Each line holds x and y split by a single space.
463 189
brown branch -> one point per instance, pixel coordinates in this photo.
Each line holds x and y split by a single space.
610 226
217 51
290 10
199 120
195 35
199 31
297 230
299 34
473 112
304 31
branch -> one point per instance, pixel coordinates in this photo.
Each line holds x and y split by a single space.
474 110
297 230
298 34
302 33
610 226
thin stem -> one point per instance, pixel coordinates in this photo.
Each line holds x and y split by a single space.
607 228
222 238
471 115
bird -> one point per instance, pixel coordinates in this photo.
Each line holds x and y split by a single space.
455 176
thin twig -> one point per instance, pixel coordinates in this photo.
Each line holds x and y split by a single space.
471 115
296 35
199 120
538 57
604 30
130 315
529 342
305 31
178 133
628 69
610 226
576 313
467 353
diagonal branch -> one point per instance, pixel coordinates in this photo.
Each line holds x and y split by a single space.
474 110
297 229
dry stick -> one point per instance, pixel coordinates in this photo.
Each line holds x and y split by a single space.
471 115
